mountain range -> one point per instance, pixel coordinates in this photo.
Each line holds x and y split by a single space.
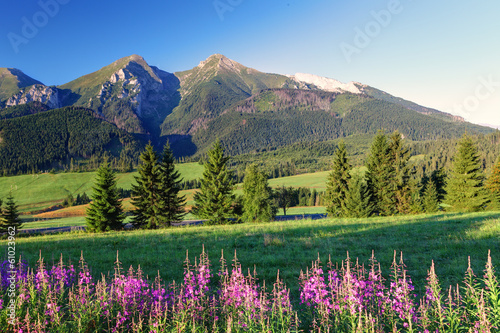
220 98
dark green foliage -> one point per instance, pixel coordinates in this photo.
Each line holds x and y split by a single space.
337 184
69 201
493 186
284 197
379 176
147 193
9 216
44 140
214 201
280 117
172 204
401 182
465 191
430 199
81 199
358 202
257 196
105 212
23 110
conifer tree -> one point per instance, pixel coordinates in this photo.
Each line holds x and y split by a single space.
9 216
493 185
379 176
171 203
465 190
430 200
105 212
257 196
400 183
358 201
337 183
214 201
146 194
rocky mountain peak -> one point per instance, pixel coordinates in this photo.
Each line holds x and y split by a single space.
221 62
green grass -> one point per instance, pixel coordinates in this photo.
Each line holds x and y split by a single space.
36 192
34 223
290 246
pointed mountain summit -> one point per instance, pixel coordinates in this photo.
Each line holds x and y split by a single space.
12 80
129 93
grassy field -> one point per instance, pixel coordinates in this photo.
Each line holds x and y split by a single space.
36 192
290 246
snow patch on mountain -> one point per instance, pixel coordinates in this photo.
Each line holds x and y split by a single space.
325 83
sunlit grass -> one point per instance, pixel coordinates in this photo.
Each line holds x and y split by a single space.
448 239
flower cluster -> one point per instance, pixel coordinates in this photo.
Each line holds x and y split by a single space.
343 298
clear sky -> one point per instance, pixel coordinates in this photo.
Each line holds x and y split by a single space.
442 54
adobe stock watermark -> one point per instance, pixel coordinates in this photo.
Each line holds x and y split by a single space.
484 90
31 26
371 30
224 6
11 275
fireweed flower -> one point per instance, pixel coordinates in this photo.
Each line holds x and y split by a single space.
346 299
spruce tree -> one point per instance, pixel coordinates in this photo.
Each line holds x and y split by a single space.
380 176
430 200
400 183
257 196
9 216
358 202
214 201
493 186
465 190
172 204
146 194
105 212
337 183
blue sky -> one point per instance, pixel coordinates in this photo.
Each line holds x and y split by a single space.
442 54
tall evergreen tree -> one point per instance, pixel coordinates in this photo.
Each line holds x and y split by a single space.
400 183
172 204
9 216
214 201
337 183
257 196
380 176
358 202
465 190
146 194
105 212
493 185
430 199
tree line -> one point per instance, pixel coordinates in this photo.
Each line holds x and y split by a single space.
390 186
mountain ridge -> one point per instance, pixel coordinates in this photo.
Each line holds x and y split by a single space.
244 107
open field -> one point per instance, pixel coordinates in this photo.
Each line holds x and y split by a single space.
36 192
290 246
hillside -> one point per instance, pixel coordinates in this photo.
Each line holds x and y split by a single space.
128 93
52 138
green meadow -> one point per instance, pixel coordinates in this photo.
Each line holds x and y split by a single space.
36 192
289 246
